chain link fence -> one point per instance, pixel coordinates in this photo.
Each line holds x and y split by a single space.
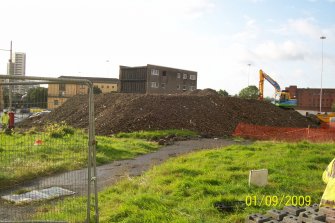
45 168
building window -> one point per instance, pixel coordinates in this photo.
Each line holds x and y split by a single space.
178 75
192 88
164 73
82 86
113 87
62 87
163 85
107 86
61 93
56 102
102 86
184 88
178 87
193 77
154 85
154 72
184 76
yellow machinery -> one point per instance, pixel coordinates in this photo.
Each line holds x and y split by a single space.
326 117
284 101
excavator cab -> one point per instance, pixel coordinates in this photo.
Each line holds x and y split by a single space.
284 96
285 100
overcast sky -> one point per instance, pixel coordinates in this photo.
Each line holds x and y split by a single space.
216 38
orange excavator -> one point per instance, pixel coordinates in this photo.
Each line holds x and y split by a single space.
284 100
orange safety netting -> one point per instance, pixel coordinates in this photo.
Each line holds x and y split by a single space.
284 134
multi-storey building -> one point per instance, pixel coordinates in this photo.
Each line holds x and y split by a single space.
59 93
19 69
309 98
19 60
153 79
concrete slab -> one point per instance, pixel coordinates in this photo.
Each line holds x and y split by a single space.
258 177
38 195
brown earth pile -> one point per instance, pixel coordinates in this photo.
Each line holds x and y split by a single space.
204 112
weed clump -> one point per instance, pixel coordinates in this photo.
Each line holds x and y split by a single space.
32 131
58 130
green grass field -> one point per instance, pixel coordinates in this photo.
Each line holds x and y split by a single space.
64 148
21 160
184 189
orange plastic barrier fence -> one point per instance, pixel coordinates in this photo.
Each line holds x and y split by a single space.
284 134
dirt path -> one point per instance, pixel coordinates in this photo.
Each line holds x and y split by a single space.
108 174
111 173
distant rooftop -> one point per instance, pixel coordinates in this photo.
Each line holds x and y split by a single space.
152 65
94 79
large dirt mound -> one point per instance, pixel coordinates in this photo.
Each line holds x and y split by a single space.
208 114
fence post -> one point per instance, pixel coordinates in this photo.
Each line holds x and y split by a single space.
92 177
308 131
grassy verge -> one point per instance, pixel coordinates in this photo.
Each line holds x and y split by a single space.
62 149
151 135
184 189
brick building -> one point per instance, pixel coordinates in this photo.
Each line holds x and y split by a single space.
153 79
59 93
309 98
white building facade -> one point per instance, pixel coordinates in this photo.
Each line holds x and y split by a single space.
18 69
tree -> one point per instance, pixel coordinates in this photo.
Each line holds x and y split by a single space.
6 97
37 97
223 93
333 107
96 90
250 92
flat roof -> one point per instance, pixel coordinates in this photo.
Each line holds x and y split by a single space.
152 65
94 79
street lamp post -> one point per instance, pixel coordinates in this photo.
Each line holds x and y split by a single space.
10 72
248 73
322 38
108 62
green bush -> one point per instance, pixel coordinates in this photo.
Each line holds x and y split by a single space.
157 134
32 131
59 130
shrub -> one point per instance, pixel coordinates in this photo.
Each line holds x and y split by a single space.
59 130
32 131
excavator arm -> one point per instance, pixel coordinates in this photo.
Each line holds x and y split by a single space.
284 101
262 76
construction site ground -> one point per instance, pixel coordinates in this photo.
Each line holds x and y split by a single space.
203 111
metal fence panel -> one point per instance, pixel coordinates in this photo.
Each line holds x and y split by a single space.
45 168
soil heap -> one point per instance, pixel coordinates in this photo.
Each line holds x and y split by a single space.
205 112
